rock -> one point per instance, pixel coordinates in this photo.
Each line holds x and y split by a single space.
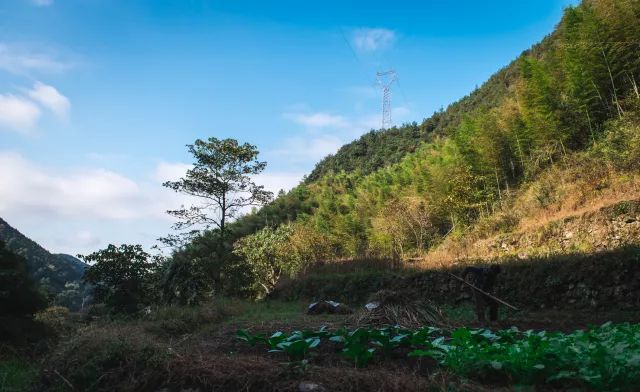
308 386
372 305
328 307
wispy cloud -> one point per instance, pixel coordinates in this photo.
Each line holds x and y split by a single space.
21 113
369 40
50 97
170 171
83 206
18 59
326 133
304 149
277 181
85 238
72 193
18 114
317 120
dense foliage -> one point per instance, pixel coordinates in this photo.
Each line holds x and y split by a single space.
576 91
51 272
573 98
18 294
121 277
603 358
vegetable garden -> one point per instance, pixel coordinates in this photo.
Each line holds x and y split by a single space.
603 358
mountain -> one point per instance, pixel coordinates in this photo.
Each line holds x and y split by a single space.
380 148
52 271
569 104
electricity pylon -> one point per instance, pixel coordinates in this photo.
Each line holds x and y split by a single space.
385 80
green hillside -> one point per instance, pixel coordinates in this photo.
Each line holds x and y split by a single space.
51 271
381 148
571 100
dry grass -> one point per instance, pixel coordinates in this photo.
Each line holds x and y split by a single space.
126 356
557 195
397 308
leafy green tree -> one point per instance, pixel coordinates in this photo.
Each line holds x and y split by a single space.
268 255
221 178
183 279
18 294
121 276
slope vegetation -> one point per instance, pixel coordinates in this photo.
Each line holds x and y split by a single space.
565 112
48 270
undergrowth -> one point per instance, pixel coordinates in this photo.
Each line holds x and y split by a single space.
17 375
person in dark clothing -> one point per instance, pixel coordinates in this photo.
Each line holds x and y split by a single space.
484 279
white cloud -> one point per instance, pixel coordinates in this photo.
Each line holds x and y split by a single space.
371 40
274 182
28 189
20 60
42 3
50 98
304 149
166 171
317 120
86 239
21 113
17 113
326 133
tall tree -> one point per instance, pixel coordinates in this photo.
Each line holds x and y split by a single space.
221 178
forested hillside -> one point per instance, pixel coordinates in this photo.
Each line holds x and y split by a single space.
569 103
51 272
378 149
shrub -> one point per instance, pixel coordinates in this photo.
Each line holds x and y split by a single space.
622 142
108 358
268 255
56 318
121 276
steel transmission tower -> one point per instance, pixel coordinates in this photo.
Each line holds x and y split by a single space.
385 80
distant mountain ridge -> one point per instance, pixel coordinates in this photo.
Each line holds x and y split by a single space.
50 270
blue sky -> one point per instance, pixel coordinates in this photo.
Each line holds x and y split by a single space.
99 97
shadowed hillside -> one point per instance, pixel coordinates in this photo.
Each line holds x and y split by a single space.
48 270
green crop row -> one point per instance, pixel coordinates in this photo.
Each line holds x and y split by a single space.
601 358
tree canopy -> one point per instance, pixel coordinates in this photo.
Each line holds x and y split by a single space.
221 178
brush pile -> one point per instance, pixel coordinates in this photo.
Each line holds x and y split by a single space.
387 307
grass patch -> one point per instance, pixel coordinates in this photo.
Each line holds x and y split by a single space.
109 357
171 321
17 375
266 311
461 314
177 319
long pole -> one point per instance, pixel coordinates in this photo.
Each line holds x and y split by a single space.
484 292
